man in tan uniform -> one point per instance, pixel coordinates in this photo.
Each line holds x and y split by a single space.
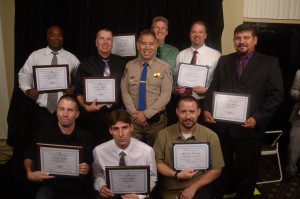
146 89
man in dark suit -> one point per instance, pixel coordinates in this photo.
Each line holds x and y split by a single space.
246 72
94 116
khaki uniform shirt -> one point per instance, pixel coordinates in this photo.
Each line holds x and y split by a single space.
158 86
170 188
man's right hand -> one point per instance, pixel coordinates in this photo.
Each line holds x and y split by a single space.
32 93
208 117
93 107
180 90
106 192
186 174
39 176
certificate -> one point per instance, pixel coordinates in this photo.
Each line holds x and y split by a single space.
124 45
230 107
101 89
128 179
59 159
192 75
193 155
51 78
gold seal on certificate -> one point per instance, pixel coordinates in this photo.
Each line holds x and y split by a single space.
230 107
128 179
51 78
193 155
102 89
59 160
124 45
192 75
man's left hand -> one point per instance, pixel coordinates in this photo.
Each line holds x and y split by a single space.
84 168
250 123
200 90
141 116
130 196
188 193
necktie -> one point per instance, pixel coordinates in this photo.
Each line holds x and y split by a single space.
142 93
122 159
52 97
159 52
189 91
239 67
106 72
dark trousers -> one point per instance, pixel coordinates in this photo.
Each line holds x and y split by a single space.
241 156
46 192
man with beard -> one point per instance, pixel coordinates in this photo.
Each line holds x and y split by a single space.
187 183
65 132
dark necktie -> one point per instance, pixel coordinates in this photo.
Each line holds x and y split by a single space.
159 52
240 67
142 93
106 71
189 91
52 97
122 161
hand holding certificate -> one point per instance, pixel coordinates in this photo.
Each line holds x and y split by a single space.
51 78
128 179
192 75
191 156
101 89
230 107
59 159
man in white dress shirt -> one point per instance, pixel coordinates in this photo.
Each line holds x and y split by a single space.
122 150
197 54
53 54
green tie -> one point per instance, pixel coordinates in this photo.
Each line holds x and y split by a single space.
159 52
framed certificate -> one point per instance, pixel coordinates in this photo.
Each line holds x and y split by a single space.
230 107
102 89
192 155
192 75
128 179
59 160
51 78
124 45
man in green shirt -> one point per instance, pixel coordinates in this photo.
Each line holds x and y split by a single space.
186 183
165 52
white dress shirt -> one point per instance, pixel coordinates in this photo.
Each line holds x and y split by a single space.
44 57
137 154
206 56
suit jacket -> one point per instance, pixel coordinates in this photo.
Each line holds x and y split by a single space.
94 67
262 80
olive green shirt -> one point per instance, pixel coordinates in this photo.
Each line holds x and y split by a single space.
170 188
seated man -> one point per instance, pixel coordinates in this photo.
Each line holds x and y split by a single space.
64 133
186 183
109 153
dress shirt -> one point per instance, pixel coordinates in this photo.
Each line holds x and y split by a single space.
206 56
137 154
44 57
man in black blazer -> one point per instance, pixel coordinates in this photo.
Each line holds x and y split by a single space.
246 72
94 117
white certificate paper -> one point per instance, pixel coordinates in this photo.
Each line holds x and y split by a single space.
230 107
191 156
124 45
101 89
192 75
51 78
59 160
130 179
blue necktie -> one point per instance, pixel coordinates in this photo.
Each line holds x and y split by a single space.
142 94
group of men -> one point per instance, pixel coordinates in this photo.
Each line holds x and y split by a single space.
146 86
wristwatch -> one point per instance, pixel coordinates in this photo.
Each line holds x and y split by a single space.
176 176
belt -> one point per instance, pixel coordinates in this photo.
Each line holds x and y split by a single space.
155 118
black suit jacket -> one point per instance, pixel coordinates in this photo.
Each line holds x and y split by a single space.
94 67
262 80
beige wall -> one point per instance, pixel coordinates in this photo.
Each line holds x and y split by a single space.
7 10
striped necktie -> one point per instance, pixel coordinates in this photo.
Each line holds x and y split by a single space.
52 97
